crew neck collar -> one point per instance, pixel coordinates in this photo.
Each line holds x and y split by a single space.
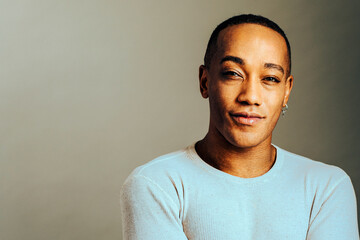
274 170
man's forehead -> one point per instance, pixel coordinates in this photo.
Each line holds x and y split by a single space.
247 31
251 37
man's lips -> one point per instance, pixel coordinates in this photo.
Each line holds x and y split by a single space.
246 118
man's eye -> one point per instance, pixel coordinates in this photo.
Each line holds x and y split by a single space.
231 74
272 79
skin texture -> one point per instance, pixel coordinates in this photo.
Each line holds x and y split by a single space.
248 74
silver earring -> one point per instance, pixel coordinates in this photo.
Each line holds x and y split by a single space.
284 109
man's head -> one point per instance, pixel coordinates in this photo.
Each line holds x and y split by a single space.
241 19
247 79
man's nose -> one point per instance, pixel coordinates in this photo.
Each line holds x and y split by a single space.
250 92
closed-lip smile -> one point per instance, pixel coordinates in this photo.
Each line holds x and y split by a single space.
246 118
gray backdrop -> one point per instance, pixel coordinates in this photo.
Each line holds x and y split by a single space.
91 89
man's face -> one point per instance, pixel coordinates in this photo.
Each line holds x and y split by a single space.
247 84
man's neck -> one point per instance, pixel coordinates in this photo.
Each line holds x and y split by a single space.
247 162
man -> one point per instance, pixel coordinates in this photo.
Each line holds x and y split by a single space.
234 184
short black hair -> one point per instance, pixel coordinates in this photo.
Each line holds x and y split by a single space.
240 19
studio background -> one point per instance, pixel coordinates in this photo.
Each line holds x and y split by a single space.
91 89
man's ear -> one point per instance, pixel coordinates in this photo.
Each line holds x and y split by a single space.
203 81
288 86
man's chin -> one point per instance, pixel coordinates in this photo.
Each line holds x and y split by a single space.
245 145
246 141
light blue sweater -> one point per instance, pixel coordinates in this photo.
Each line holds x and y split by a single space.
179 196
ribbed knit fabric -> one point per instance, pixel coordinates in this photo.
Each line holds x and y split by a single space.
179 196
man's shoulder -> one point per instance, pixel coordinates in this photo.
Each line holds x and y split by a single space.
162 176
165 167
164 163
312 169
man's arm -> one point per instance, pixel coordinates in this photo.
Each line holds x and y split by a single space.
148 212
336 218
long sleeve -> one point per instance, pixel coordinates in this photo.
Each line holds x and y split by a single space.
148 212
336 216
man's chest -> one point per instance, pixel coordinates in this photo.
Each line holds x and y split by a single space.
243 213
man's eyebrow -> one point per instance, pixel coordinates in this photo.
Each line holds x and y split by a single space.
233 59
273 65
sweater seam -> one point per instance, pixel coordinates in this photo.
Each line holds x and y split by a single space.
328 196
157 185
